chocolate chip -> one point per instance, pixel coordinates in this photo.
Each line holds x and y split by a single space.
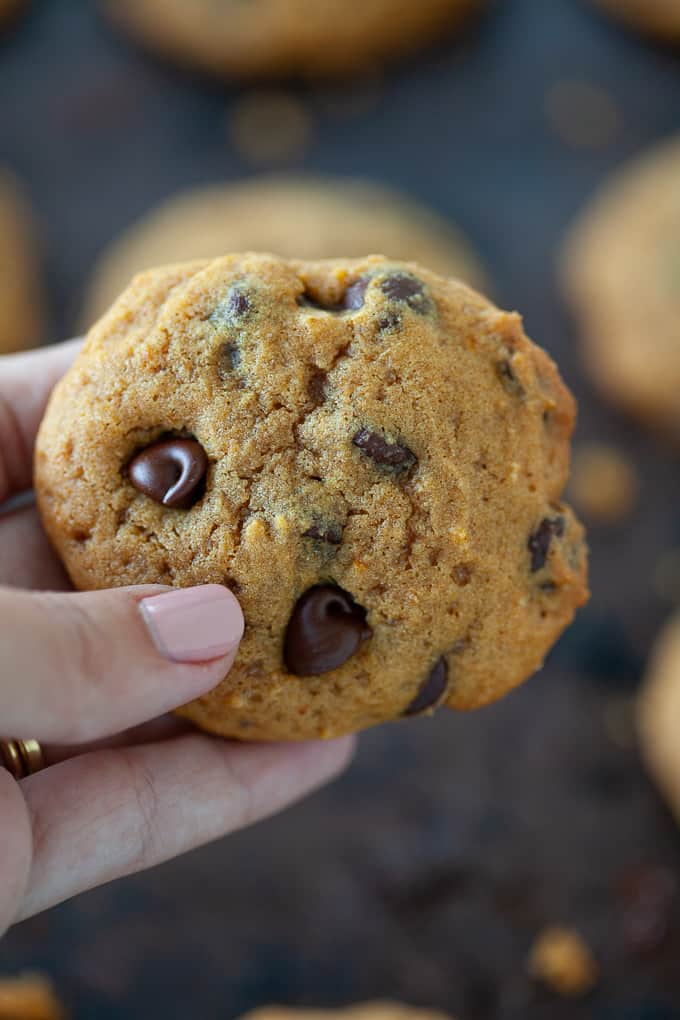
507 376
380 450
316 386
331 533
539 541
406 290
236 305
326 629
432 689
354 296
170 471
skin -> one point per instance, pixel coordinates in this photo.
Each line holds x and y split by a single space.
126 786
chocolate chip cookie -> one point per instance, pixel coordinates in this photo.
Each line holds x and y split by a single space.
273 37
362 1011
659 714
621 273
21 300
293 216
655 17
370 456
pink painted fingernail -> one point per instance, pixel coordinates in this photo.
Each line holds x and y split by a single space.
194 624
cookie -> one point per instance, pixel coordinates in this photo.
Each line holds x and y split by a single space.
21 300
659 714
29 997
621 274
275 37
293 216
655 17
362 1011
370 456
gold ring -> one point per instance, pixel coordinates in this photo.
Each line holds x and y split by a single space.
21 757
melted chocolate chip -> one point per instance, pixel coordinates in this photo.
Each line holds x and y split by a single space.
325 630
170 471
432 689
236 305
507 376
351 300
406 290
354 296
316 386
539 541
375 446
331 533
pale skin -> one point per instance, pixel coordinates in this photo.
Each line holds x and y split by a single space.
126 785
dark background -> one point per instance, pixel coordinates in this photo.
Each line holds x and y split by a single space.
427 871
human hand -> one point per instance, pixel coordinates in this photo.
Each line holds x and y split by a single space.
91 677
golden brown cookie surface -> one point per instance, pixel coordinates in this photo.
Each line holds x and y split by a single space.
657 17
292 216
386 453
266 37
21 323
621 270
659 714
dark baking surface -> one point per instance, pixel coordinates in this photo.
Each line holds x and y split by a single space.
426 872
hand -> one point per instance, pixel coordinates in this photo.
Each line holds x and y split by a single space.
90 676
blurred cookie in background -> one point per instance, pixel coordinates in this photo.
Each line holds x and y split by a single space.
295 217
273 37
659 714
21 297
655 17
29 997
603 484
378 1010
621 275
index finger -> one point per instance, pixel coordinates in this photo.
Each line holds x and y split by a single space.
26 381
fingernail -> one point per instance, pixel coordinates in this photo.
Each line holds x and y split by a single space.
194 624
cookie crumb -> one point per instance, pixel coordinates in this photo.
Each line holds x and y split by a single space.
269 128
604 483
561 960
582 114
29 997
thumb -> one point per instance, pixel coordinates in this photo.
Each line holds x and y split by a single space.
77 667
